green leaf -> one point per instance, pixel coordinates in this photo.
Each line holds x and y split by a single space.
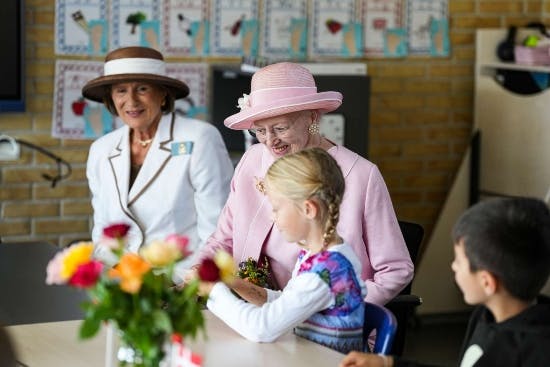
89 327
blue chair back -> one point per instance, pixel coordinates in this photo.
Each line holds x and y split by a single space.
382 320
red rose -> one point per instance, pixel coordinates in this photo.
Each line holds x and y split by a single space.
209 271
86 275
118 230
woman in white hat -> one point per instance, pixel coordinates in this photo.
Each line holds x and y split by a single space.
283 109
160 173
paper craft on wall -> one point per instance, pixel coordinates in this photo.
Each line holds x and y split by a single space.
328 18
135 23
332 127
353 40
420 14
183 27
73 116
80 27
195 75
277 36
226 20
377 17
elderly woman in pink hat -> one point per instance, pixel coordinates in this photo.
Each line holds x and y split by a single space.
160 173
283 110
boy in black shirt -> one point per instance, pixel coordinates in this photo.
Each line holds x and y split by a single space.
502 261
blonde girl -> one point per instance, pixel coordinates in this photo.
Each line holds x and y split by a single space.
323 301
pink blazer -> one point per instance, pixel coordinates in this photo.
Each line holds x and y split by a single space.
367 222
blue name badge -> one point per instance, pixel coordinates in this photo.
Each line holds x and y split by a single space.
182 148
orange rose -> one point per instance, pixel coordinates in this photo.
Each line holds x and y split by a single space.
130 271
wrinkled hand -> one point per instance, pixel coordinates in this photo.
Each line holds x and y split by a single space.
358 359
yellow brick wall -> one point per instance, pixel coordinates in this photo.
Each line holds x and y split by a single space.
420 122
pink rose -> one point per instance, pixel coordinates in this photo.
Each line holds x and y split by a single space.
182 243
53 271
86 275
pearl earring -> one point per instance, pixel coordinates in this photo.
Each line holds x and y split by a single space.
313 129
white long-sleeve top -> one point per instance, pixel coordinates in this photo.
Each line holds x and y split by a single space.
304 295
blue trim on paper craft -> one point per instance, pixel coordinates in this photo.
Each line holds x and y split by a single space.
443 14
236 51
115 32
302 13
72 49
327 51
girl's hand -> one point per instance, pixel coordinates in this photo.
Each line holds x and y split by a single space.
205 288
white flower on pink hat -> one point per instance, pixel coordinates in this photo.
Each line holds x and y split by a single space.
244 102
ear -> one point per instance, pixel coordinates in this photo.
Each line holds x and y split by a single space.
311 208
488 282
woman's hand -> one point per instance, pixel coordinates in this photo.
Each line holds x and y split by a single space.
359 359
205 288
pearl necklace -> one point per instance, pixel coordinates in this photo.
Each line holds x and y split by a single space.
144 143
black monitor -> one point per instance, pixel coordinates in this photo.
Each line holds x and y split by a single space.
12 44
229 83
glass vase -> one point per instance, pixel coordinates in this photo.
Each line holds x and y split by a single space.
129 356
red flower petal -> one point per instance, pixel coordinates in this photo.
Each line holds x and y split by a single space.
209 271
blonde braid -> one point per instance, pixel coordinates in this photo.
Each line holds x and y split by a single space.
332 202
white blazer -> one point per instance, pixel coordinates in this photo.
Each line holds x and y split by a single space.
181 187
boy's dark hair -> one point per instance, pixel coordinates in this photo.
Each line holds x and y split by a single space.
510 238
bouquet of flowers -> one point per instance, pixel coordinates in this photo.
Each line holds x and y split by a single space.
137 294
255 272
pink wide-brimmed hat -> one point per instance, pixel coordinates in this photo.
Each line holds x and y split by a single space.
279 89
130 64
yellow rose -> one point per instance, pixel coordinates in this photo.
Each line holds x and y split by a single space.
76 255
225 263
160 253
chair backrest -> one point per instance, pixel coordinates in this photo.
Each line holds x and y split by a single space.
404 304
382 320
413 233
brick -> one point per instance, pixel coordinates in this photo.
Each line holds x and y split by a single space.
31 210
40 104
402 196
76 207
476 22
61 191
43 122
15 192
398 102
78 174
452 70
44 87
400 165
397 70
14 227
384 118
465 86
384 150
511 6
15 121
386 85
461 7
41 140
23 175
398 134
41 69
44 17
69 155
423 149
60 226
427 117
446 165
462 38
426 86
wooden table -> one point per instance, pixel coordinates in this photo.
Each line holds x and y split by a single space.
56 344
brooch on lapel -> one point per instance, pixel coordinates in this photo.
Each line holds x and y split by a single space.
182 148
260 185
